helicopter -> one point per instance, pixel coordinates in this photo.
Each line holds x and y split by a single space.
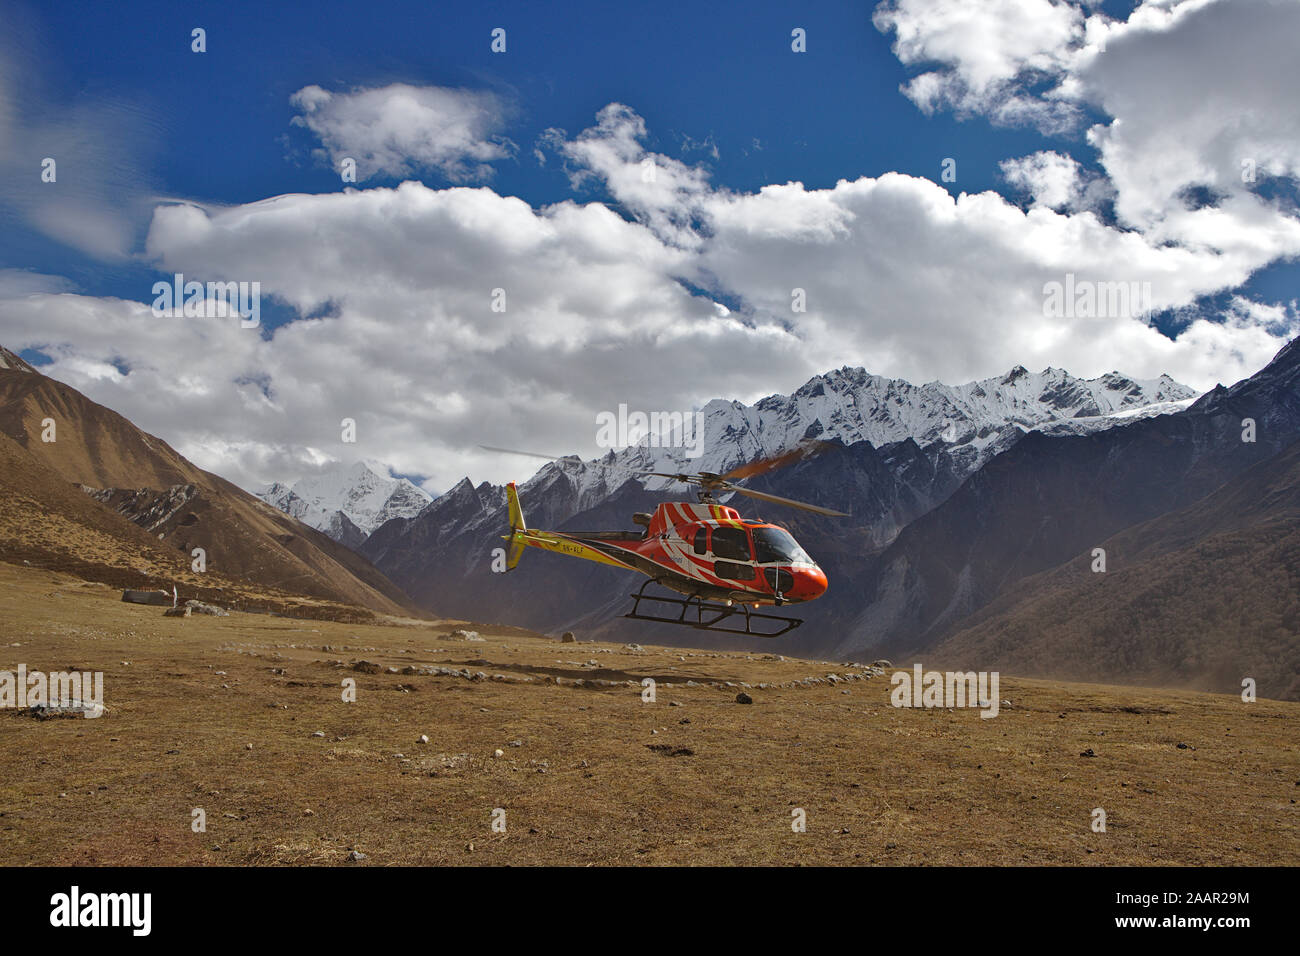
727 566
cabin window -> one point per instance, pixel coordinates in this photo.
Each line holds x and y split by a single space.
702 541
733 572
779 579
775 546
731 544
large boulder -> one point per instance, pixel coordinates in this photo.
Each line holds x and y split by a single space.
157 598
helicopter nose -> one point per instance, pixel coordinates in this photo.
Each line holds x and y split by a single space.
809 583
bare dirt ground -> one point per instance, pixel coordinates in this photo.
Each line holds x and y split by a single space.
589 773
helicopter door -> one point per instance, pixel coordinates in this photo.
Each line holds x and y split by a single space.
730 547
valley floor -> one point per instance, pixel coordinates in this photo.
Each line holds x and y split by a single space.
589 773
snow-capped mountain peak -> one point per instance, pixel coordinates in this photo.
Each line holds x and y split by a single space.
970 423
365 493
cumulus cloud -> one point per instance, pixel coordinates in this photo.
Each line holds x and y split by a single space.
598 310
408 343
398 130
900 275
439 319
1001 58
660 191
1202 100
1196 95
1055 181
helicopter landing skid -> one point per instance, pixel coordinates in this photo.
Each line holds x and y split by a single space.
709 615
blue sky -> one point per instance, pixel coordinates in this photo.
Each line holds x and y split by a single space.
712 93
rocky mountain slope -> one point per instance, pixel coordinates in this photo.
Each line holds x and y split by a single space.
1049 499
1202 597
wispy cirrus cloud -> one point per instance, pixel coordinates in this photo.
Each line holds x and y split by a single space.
74 168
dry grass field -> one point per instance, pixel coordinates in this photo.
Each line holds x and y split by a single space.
243 717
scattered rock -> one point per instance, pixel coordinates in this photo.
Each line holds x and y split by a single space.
184 611
424 738
743 698
669 750
498 752
1087 753
356 856
66 708
198 607
568 638
319 733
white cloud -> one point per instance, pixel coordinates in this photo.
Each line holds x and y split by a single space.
20 282
902 277
660 191
411 348
1192 90
1053 181
1196 93
992 52
899 275
399 129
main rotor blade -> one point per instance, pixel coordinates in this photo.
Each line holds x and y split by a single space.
804 449
777 499
530 454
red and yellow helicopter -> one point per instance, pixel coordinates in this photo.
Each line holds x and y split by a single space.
723 563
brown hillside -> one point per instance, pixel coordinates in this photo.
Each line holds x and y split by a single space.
46 523
184 507
1201 598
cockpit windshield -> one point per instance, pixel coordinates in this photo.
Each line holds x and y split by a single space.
775 545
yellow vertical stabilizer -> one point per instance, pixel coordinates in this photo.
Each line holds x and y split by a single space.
517 542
